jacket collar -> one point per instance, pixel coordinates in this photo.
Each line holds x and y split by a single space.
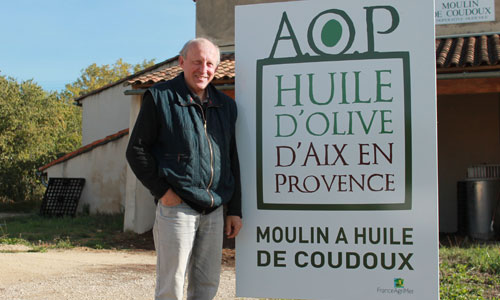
187 98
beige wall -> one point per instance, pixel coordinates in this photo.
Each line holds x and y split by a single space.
471 28
104 170
105 113
468 134
139 203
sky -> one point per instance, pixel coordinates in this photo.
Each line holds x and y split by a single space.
52 41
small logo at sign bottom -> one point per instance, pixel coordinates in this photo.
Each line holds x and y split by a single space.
399 283
398 289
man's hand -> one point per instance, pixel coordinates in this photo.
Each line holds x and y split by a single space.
233 226
170 198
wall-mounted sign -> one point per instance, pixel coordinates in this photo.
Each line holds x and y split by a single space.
469 11
337 139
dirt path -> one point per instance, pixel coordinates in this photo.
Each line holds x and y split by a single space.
84 274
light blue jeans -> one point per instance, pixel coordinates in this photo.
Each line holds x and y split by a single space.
187 241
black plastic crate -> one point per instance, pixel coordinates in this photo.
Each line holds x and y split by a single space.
62 196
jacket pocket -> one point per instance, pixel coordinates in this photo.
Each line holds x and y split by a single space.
176 164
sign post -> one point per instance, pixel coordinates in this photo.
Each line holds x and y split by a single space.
337 139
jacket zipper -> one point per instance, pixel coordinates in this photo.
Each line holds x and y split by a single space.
211 156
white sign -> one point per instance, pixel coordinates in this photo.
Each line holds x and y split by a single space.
469 11
337 140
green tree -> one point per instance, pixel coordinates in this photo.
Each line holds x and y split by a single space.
94 76
35 128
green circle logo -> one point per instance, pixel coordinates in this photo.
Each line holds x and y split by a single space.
331 33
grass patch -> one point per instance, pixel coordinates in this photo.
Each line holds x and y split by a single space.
471 272
8 206
96 231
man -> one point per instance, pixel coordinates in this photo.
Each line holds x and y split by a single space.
183 149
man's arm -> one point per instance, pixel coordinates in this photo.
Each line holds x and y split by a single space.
233 219
139 148
234 206
233 226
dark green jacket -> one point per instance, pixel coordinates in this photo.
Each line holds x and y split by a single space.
181 144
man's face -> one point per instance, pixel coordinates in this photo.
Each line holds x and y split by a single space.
199 66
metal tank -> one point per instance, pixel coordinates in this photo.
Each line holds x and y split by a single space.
478 202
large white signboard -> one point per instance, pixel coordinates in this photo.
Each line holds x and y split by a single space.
337 142
469 11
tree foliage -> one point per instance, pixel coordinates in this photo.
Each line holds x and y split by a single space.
94 76
35 128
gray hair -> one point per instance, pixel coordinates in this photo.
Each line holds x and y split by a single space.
198 40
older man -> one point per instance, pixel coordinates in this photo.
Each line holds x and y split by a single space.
183 149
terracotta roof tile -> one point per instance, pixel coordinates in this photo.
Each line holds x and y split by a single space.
457 53
471 53
496 48
224 71
145 71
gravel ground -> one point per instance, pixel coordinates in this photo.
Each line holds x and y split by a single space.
85 274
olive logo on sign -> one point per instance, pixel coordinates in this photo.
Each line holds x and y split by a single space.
331 32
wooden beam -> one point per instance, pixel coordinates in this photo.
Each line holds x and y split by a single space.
468 86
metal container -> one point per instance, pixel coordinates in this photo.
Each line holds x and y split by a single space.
478 207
